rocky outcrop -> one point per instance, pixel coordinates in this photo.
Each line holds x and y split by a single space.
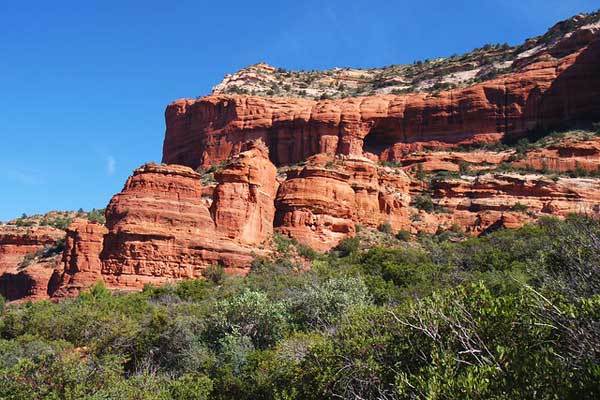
243 201
17 242
321 203
509 200
565 156
556 87
537 193
81 258
25 272
159 228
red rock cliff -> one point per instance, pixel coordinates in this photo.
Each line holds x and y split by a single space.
555 87
159 229
167 225
27 279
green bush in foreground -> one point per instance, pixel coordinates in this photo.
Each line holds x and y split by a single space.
512 315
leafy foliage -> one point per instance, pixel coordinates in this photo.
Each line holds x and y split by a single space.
514 314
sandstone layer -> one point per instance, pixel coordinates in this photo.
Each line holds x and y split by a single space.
555 87
159 228
25 273
240 167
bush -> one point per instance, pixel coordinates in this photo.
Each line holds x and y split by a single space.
403 235
306 251
512 314
251 314
191 387
282 243
424 202
348 246
385 228
214 273
522 146
518 207
97 216
321 304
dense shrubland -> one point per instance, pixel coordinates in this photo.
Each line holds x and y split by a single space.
513 315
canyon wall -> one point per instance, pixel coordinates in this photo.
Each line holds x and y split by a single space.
240 168
553 88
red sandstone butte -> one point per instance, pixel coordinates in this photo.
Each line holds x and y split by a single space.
159 228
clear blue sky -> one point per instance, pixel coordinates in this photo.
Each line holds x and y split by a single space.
83 84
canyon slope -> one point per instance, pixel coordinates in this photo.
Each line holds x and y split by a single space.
465 144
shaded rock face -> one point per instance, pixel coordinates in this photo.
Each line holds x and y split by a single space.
555 88
28 281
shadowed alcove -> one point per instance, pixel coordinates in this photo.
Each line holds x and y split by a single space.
382 135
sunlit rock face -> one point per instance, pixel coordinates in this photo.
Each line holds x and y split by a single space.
320 170
555 86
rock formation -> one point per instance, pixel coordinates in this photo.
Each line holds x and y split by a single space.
25 272
159 229
424 157
478 203
565 156
243 205
81 257
321 203
554 87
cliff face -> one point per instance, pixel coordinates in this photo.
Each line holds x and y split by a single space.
159 229
321 203
25 271
550 88
241 167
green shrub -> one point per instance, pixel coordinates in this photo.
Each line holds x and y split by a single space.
403 235
321 304
97 215
306 251
423 202
510 314
251 314
386 227
191 387
518 207
348 246
282 243
214 273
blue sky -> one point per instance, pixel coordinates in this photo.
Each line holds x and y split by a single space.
84 84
